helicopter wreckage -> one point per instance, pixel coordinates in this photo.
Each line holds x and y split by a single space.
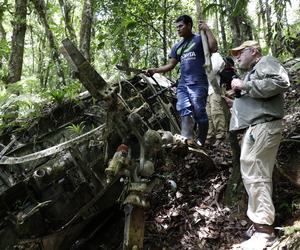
49 195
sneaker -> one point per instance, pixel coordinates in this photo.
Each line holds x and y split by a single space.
251 230
193 143
258 241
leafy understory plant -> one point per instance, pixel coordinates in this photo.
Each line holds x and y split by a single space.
57 95
76 129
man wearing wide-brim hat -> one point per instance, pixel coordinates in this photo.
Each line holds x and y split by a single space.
258 110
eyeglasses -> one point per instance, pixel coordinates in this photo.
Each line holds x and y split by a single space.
243 50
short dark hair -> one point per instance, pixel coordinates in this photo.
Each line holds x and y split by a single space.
186 19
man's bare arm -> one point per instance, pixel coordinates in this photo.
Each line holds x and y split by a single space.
163 69
212 41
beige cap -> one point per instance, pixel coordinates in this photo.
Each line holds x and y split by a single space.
249 43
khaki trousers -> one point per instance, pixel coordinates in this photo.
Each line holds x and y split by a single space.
258 154
217 125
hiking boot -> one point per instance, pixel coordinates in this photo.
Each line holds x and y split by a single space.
187 126
202 132
259 241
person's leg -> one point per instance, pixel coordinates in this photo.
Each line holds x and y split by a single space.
198 98
218 116
184 107
211 129
259 148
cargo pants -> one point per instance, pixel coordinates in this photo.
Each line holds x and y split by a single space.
258 154
217 124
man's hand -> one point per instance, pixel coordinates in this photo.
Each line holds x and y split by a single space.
237 84
228 101
203 26
150 72
212 42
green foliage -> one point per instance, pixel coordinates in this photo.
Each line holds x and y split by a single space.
4 49
24 100
68 92
288 208
76 129
239 6
57 95
17 109
25 86
212 8
291 230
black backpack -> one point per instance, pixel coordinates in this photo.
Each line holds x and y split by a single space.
227 73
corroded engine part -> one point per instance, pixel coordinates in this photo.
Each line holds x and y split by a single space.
119 164
152 145
135 205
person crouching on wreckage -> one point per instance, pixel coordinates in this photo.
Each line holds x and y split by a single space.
258 110
192 89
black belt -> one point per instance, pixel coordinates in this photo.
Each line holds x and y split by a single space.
268 119
271 119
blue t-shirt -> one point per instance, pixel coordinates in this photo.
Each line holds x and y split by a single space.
190 53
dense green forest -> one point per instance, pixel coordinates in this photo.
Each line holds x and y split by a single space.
131 33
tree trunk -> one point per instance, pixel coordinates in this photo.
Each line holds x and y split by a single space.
86 28
17 42
216 26
235 189
41 10
32 49
278 38
241 29
40 61
66 9
2 40
222 24
269 24
261 20
165 44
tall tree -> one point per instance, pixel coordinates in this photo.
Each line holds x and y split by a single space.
240 23
269 24
41 10
86 28
17 42
279 9
223 25
66 9
3 41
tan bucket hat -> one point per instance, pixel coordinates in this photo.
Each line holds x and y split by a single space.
249 43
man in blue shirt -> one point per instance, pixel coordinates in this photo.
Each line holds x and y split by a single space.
193 84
